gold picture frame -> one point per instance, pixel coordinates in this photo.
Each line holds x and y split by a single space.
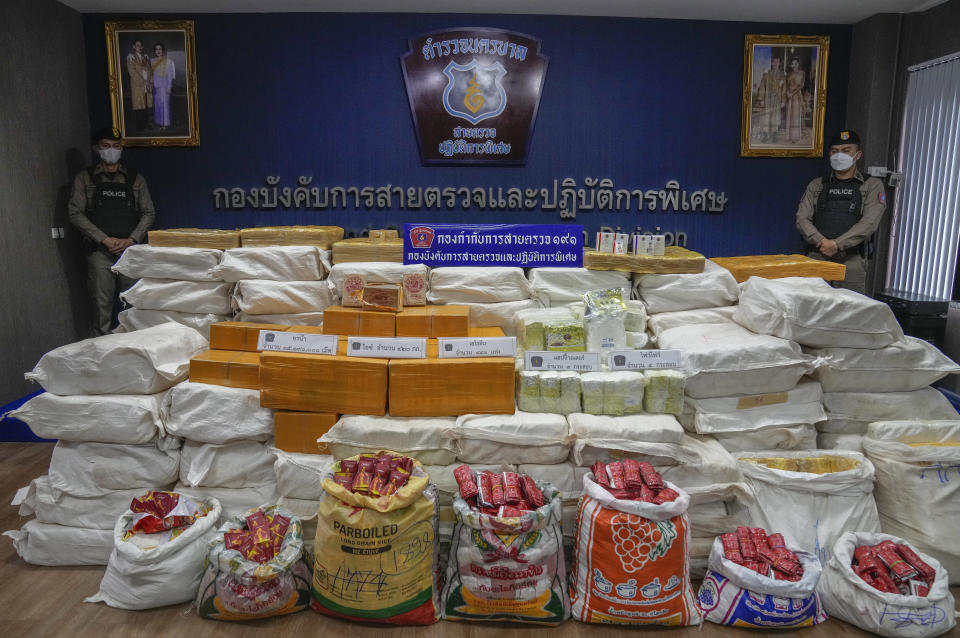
152 68
784 95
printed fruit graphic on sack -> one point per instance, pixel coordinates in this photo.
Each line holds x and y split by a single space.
637 540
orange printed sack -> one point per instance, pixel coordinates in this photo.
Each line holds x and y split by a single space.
630 561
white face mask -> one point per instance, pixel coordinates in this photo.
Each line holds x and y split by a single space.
841 161
110 155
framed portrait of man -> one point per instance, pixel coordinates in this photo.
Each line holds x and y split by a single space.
153 82
784 95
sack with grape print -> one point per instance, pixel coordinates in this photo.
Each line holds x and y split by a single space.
630 560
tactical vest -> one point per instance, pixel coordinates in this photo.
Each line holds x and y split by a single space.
114 206
838 206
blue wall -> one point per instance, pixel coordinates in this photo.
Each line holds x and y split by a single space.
638 101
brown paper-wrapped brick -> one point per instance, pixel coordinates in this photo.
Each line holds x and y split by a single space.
674 260
231 368
382 297
319 236
319 383
338 320
298 431
434 321
239 335
194 238
777 266
366 249
451 387
386 233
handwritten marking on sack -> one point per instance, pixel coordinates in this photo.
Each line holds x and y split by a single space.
942 471
760 400
407 555
902 616
349 582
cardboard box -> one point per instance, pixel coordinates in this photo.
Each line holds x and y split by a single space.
318 383
231 368
239 335
298 431
451 387
488 331
338 320
434 321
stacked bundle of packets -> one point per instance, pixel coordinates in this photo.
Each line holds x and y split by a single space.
633 480
766 555
262 539
500 494
160 517
893 569
374 474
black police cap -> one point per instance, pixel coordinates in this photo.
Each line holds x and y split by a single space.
105 133
845 137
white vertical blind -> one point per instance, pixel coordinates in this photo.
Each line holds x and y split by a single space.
926 225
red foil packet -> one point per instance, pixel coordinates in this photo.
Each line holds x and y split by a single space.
776 541
279 525
349 465
646 494
889 556
485 496
511 487
344 479
918 588
531 492
650 476
615 473
240 540
259 527
748 550
926 571
465 482
730 541
509 511
599 470
496 489
631 473
666 495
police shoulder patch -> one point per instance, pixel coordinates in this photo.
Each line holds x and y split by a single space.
882 197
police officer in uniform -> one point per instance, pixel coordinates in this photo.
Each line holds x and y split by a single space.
111 206
840 212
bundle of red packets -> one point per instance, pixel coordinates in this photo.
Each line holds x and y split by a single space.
505 494
262 538
633 481
766 555
374 474
893 569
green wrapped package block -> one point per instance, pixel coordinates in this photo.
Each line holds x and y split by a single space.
528 391
591 387
569 392
550 392
664 392
530 325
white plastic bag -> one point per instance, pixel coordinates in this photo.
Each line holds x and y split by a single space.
556 286
160 262
181 296
908 364
511 438
94 469
293 319
810 311
217 414
104 418
426 439
234 501
142 362
235 464
847 597
792 437
98 512
652 437
743 413
264 297
276 263
715 286
57 545
490 284
656 324
137 319
300 476
166 575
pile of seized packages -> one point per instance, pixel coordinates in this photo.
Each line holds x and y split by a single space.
797 464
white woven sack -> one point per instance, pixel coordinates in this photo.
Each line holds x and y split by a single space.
652 437
917 491
306 511
557 286
95 469
202 297
159 262
423 438
715 286
236 464
137 319
726 359
447 487
57 545
802 436
217 414
745 413
925 403
811 312
840 441
234 501
812 510
847 597
300 476
276 263
104 418
98 512
166 575
375 272
908 364
264 297
512 438
657 324
478 285
499 315
566 477
293 319
142 362
707 471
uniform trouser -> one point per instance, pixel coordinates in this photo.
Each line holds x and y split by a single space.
856 275
102 284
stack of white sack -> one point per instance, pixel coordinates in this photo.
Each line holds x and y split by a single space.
300 484
521 437
812 497
104 402
495 294
425 439
657 324
197 297
447 490
227 445
563 286
917 491
713 287
745 423
849 413
278 284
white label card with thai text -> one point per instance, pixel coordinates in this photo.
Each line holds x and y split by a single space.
302 342
576 361
387 347
459 347
644 359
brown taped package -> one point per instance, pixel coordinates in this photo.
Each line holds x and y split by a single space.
434 321
338 320
382 297
675 260
319 236
777 266
239 335
318 383
298 431
231 368
194 238
385 233
366 249
451 387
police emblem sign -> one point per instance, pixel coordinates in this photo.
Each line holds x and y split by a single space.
474 94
